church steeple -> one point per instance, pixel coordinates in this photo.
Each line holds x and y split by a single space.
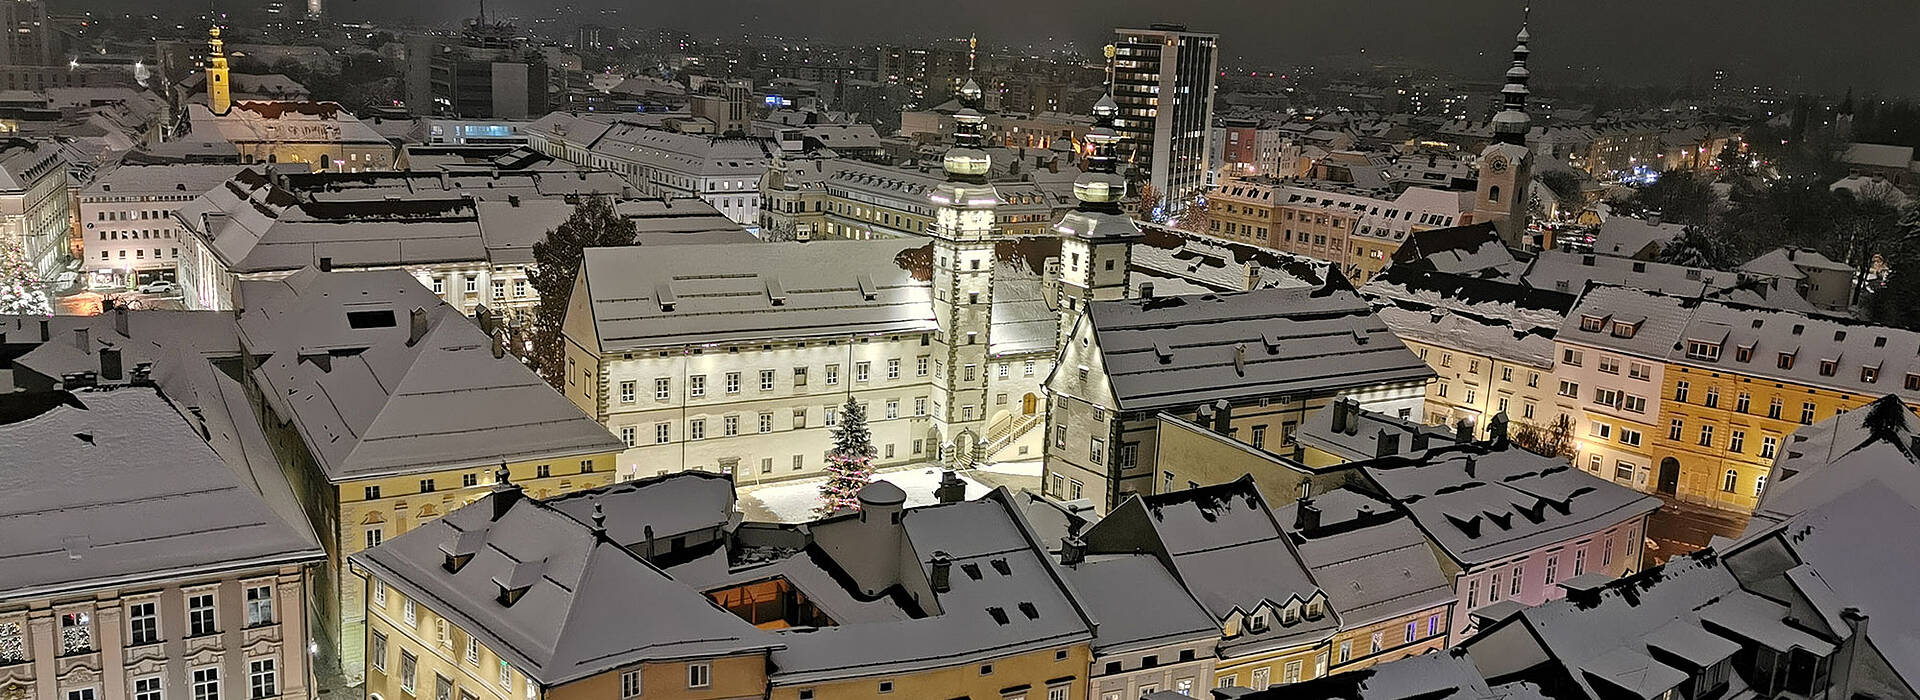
219 89
1096 246
963 272
1512 123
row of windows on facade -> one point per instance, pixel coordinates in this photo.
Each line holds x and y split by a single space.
134 215
131 235
699 674
731 382
1710 352
472 286
730 424
1291 670
140 254
1515 573
143 624
263 681
471 479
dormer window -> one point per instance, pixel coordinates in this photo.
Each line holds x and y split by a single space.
1869 374
1258 623
1743 353
1786 360
1623 329
1699 350
1592 324
1829 367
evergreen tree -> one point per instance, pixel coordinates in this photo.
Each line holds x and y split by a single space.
556 262
1692 248
850 463
21 291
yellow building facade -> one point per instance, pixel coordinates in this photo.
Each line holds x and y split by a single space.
1021 676
414 653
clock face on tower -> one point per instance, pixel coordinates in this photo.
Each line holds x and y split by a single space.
1497 164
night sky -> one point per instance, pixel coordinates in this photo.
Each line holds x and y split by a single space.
1793 44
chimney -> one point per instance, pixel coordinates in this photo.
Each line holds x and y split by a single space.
1222 417
1789 255
1340 418
1308 515
1462 431
941 566
120 321
416 325
1240 359
1387 444
1497 431
1418 443
326 264
499 346
1146 290
951 488
505 492
1846 670
1655 218
109 363
46 331
647 533
82 338
1073 550
1469 468
599 518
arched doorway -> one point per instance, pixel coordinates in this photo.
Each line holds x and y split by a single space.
1029 404
1669 483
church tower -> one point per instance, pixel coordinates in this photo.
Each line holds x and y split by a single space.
1096 243
219 89
1506 167
963 267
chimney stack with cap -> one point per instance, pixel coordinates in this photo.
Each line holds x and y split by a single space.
505 492
416 325
1073 550
110 363
1462 431
940 572
1497 431
1307 515
951 488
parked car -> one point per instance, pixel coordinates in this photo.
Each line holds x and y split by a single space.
160 287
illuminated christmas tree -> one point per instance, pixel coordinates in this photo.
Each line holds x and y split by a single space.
850 463
21 292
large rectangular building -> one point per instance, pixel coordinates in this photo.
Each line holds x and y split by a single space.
1163 80
128 233
1255 363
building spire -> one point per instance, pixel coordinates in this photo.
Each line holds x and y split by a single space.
1100 189
219 90
1512 123
967 161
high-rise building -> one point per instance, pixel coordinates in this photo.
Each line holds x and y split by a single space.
1163 80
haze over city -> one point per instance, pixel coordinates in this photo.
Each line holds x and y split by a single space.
1072 350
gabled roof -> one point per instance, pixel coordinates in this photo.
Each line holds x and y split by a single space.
1227 548
1878 444
588 605
1183 350
1811 339
115 487
644 296
1006 596
1138 604
1482 506
339 362
1474 250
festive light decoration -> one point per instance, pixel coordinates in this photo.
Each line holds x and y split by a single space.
849 463
21 291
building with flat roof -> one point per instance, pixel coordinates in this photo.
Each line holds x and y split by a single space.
1163 79
128 234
